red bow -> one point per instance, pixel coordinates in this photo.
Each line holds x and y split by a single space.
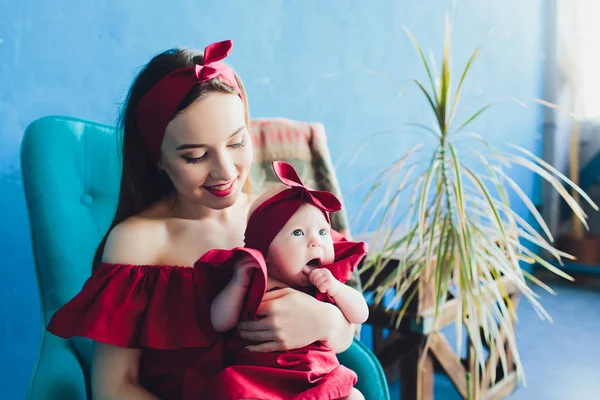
270 217
158 106
212 68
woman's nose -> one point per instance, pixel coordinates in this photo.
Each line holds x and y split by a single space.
223 168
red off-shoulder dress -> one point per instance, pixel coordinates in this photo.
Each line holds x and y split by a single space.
165 311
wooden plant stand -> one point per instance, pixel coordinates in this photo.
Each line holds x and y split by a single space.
417 348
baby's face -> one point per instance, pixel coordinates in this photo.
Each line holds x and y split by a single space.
304 241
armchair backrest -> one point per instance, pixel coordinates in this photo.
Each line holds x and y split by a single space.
302 144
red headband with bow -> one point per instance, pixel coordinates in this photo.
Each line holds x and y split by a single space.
158 106
271 216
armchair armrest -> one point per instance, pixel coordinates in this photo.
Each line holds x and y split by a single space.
58 374
372 382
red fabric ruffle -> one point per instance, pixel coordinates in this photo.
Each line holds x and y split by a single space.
159 307
165 310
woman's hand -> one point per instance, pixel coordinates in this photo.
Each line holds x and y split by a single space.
292 319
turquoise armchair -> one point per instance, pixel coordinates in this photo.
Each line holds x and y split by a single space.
71 176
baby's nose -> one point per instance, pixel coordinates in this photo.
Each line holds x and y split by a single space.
314 243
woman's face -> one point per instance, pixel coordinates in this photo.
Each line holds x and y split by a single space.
207 152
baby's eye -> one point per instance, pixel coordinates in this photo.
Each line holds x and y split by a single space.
323 232
298 232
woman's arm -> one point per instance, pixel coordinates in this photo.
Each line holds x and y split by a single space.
292 319
115 370
115 374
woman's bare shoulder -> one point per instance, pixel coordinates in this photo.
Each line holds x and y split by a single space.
139 240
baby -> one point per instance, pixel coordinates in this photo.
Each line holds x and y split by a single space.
290 233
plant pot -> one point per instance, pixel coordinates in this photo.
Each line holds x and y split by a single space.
586 249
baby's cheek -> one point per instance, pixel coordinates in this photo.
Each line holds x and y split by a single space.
330 254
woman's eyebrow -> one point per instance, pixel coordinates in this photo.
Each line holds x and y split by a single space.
195 146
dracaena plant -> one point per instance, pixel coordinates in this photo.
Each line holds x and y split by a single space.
459 229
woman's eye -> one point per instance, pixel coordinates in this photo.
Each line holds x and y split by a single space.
194 160
298 232
238 145
323 232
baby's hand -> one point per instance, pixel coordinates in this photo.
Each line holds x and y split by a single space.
324 281
243 267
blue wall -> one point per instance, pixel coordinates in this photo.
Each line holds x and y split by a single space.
299 59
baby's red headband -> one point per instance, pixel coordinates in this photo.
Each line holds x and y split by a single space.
271 216
157 108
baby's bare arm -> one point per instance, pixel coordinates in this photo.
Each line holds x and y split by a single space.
227 306
352 304
349 300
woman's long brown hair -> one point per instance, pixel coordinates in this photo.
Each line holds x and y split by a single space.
141 183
